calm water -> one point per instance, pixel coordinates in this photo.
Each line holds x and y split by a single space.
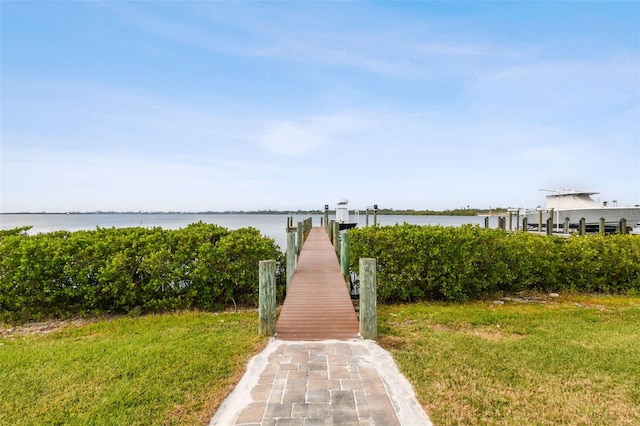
270 225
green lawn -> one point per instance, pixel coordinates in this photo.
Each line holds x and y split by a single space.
472 363
164 369
576 362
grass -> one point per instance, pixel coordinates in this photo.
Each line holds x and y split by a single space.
159 369
575 362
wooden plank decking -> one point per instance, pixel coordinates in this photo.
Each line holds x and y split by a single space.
318 305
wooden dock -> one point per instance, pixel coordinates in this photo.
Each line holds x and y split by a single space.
318 305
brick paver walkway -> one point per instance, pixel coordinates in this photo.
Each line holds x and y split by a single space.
322 383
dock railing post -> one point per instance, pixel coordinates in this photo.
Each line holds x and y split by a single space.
518 220
549 226
510 221
326 218
368 310
336 237
525 224
582 226
486 222
344 257
299 237
267 298
566 225
291 257
601 227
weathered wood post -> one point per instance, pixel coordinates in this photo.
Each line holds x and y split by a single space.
582 226
267 298
326 218
549 226
565 229
623 226
344 257
368 310
366 221
336 237
601 227
299 237
525 225
291 257
518 220
486 222
375 215
539 220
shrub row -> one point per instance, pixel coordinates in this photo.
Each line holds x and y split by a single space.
448 263
202 266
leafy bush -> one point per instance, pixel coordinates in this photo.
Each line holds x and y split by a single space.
113 270
446 263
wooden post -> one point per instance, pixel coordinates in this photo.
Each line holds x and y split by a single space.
486 222
368 310
566 225
518 220
539 220
366 222
375 215
291 257
344 256
326 218
299 238
267 298
510 221
336 237
525 224
549 226
582 226
601 228
623 226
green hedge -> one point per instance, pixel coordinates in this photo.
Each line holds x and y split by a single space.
60 274
458 263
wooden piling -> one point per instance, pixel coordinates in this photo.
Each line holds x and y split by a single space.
375 215
486 222
525 224
336 237
368 310
299 237
601 227
565 228
344 257
539 220
267 298
291 257
582 226
550 226
623 226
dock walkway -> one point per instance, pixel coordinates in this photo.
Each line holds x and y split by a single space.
318 305
317 370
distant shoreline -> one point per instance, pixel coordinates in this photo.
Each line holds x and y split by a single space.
390 212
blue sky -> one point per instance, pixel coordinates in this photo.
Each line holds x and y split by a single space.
193 106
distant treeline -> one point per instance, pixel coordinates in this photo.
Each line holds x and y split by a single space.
382 211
